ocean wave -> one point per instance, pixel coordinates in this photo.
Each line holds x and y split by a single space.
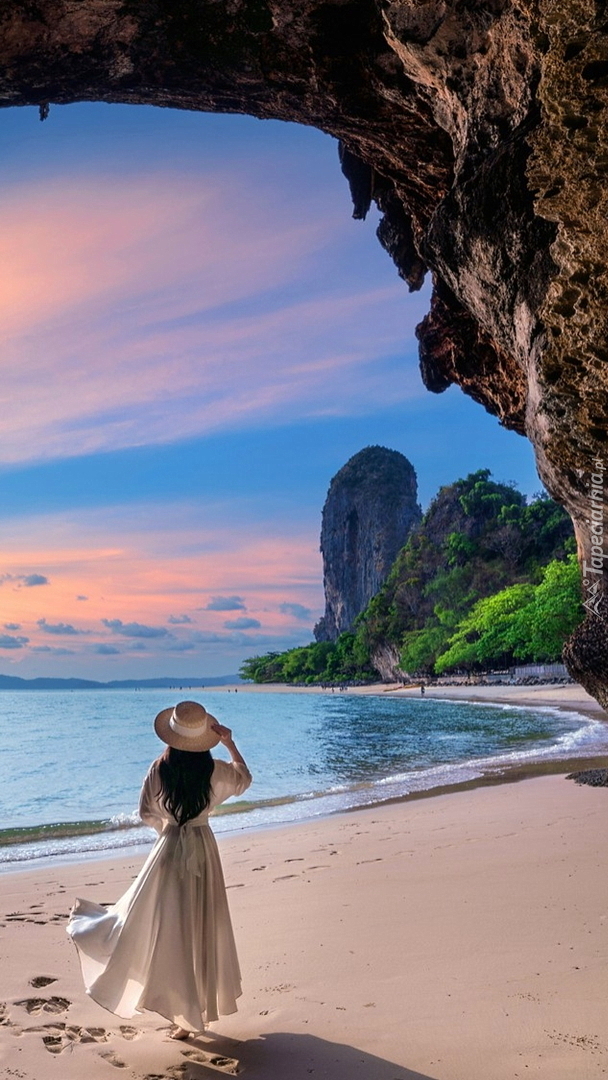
74 839
28 834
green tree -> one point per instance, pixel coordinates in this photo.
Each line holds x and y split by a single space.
459 549
422 647
489 634
521 622
556 612
262 669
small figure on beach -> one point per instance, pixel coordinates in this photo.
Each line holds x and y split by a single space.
167 945
422 689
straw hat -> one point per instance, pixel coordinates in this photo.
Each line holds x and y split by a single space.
187 727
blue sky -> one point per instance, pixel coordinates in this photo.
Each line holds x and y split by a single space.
196 337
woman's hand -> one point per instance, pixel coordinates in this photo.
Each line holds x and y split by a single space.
226 739
224 733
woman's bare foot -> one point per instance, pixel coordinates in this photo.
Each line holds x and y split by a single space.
179 1033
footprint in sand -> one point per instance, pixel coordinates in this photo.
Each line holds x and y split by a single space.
175 1072
53 1043
113 1059
129 1033
284 877
214 1061
43 980
59 1036
18 917
34 1006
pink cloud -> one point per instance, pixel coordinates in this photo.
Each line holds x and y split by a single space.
119 307
136 573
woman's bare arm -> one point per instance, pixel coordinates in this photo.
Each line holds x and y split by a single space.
226 740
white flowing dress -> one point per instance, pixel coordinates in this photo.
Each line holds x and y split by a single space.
167 945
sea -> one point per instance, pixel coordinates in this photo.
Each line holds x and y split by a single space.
72 762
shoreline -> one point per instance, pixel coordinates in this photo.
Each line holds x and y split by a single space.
515 774
564 696
457 936
569 698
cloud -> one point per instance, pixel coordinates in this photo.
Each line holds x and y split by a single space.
178 620
59 628
225 603
160 559
60 651
192 639
106 650
12 626
35 579
25 580
269 641
298 611
9 642
242 624
135 629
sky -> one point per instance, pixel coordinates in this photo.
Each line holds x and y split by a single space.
195 336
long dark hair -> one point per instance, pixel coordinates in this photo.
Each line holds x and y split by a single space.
185 778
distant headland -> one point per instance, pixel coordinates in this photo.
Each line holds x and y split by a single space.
13 682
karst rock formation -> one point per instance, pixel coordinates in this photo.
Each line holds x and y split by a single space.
479 129
368 514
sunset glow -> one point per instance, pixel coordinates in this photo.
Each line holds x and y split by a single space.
196 336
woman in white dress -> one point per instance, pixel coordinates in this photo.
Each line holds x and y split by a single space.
167 945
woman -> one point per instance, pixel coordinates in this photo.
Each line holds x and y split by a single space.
167 944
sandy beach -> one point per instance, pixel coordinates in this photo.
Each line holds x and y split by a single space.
571 696
458 937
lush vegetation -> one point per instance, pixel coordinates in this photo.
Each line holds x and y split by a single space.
345 660
486 579
521 622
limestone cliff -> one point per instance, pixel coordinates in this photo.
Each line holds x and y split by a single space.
479 129
477 537
368 514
